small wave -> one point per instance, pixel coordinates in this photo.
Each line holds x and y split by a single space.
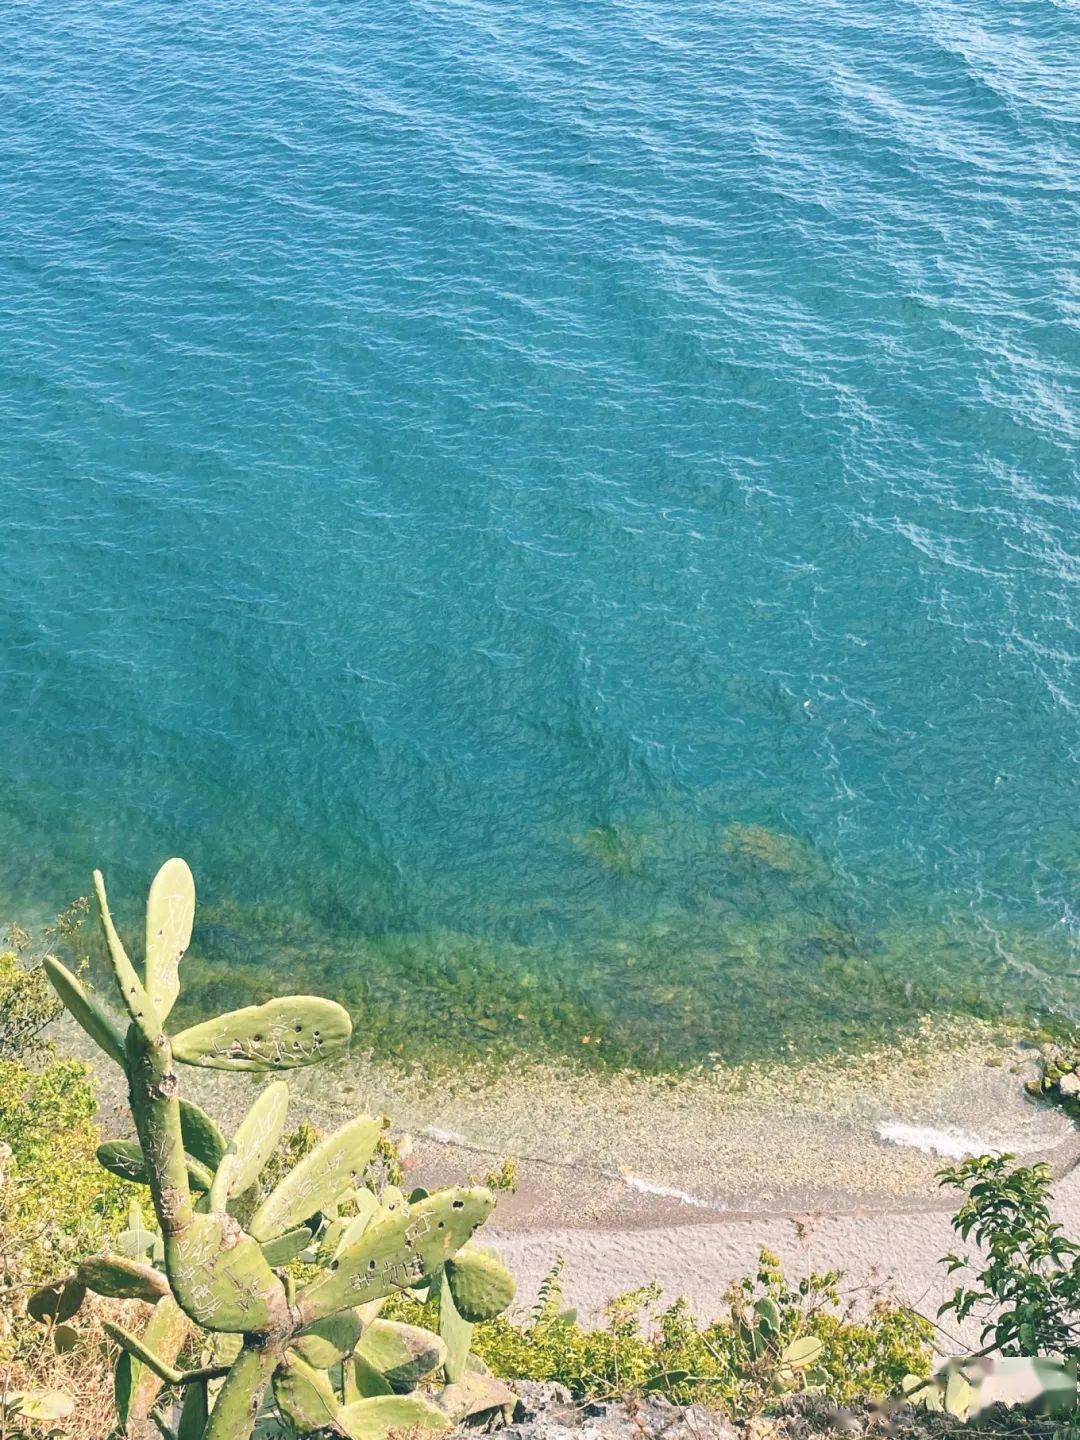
667 1192
444 1137
948 1144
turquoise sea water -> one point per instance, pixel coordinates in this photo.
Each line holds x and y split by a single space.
565 513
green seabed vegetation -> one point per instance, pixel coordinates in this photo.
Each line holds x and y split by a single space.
211 1274
675 966
234 1279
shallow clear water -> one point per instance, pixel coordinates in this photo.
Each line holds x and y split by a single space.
564 513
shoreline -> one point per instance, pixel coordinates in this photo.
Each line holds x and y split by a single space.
633 1179
893 1255
858 1131
852 1133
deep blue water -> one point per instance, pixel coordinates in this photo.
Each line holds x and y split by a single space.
563 511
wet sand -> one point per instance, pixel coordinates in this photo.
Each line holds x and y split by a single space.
600 1149
682 1181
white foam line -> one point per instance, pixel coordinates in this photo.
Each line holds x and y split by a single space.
646 1187
632 1182
947 1144
444 1137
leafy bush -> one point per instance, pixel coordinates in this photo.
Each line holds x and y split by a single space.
54 1198
716 1364
27 1001
1027 1290
52 1201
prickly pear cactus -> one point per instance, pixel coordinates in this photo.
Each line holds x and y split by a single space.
217 1264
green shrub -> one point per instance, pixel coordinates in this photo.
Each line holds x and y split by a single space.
27 1002
1027 1290
55 1201
716 1364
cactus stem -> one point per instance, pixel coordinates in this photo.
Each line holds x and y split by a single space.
161 1368
237 1406
156 1109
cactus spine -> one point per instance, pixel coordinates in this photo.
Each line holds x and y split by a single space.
220 1269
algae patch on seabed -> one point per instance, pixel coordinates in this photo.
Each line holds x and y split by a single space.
758 845
619 851
681 949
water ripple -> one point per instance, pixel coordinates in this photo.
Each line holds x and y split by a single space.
556 486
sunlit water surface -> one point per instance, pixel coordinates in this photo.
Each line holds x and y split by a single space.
564 513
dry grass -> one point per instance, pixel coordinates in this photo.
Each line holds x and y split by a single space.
85 1372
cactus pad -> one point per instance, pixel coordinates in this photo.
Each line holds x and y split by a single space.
194 1412
361 1381
330 1241
455 1332
132 990
40 1407
145 1353
257 1136
481 1285
125 1158
397 1251
367 1207
122 1279
305 1397
170 914
286 1247
336 1163
86 1008
138 1386
53 1304
280 1035
240 1397
402 1354
476 1395
140 1245
382 1415
329 1341
203 1141
219 1276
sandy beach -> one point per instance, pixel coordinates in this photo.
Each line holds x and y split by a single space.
832 1181
882 1253
682 1181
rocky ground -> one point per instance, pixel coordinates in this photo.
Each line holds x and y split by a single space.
547 1412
